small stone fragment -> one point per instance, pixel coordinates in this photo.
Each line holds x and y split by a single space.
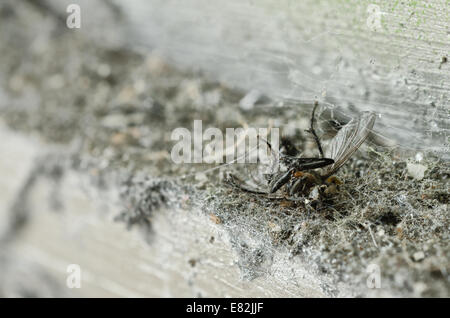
418 256
416 170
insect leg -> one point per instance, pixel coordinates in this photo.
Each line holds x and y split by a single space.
278 183
298 186
313 132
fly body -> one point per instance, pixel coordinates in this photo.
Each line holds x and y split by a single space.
300 176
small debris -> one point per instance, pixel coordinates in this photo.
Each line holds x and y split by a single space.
399 232
286 204
249 100
418 256
416 170
215 218
419 157
192 262
444 60
201 179
274 227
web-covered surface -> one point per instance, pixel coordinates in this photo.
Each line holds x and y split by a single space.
382 56
384 213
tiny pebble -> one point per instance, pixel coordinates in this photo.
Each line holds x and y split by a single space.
418 256
416 170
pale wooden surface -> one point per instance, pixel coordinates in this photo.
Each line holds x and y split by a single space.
330 49
116 262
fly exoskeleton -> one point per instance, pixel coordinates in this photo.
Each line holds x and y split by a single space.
304 174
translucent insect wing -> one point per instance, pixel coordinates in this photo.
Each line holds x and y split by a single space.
348 140
253 176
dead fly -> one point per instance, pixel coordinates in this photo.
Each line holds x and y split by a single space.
300 179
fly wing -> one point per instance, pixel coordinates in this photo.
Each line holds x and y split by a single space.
259 164
348 140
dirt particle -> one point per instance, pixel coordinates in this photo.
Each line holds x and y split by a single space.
215 218
418 256
390 218
192 262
